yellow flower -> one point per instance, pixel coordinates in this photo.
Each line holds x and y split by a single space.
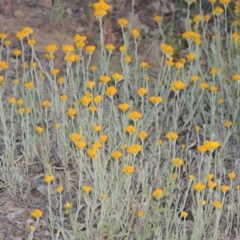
33 64
31 42
177 85
50 56
213 71
203 202
90 48
203 85
59 189
171 136
159 142
21 34
142 135
7 42
85 100
110 91
93 68
75 137
79 38
212 1
197 128
71 57
67 48
158 193
103 138
227 123
217 204
48 178
127 59
80 144
27 30
67 206
189 35
27 109
211 184
54 71
194 78
110 47
191 56
46 104
61 80
32 228
117 77
3 65
197 18
128 169
29 85
190 177
157 18
80 45
169 62
213 88
12 100
202 148
72 112
3 35
178 65
21 111
134 149
123 49
144 65
217 11
63 97
134 115
135 33
177 162
155 99
236 77
116 154
123 106
101 8
97 128
51 48
39 129
122 22
92 152
184 214
98 99
224 188
130 129
210 176
56 125
37 213
206 17
87 189
231 175
96 145
140 213
92 109
142 91
211 145
198 186
2 80
167 49
105 79
103 197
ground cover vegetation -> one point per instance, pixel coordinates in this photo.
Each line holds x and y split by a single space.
115 152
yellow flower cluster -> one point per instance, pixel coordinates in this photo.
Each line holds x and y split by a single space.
100 8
